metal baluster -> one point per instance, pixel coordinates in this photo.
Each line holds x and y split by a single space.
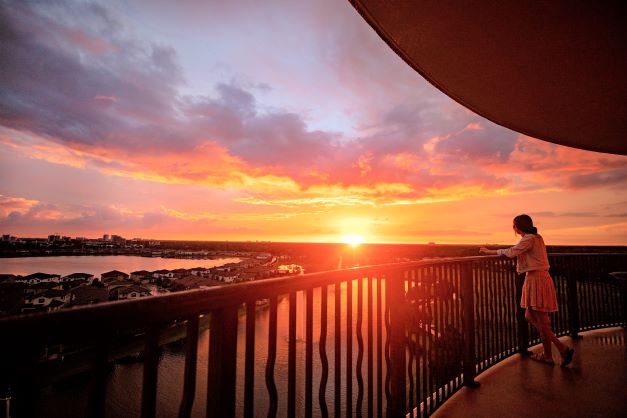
272 334
409 371
437 306
429 277
388 359
249 367
370 349
491 301
423 342
599 320
291 358
151 364
338 348
349 348
324 412
379 350
459 312
222 363
512 303
309 354
502 308
98 383
483 328
360 348
395 295
189 378
415 350
470 359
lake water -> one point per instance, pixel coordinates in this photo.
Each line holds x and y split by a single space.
97 265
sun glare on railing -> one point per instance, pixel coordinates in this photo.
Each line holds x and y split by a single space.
354 240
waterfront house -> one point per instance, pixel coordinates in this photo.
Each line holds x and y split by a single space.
226 276
39 278
289 269
113 286
46 299
162 274
39 288
132 292
200 271
260 272
113 275
76 283
178 273
77 276
88 295
141 276
244 277
194 282
228 267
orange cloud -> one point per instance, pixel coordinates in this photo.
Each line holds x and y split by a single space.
10 205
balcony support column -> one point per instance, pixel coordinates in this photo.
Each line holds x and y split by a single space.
468 301
395 295
222 363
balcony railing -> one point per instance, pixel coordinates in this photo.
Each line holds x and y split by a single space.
387 340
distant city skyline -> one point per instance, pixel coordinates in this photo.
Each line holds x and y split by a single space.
277 120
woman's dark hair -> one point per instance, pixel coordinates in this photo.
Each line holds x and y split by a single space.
525 224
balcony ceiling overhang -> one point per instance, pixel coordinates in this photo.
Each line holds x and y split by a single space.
554 70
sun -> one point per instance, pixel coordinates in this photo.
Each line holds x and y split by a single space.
354 240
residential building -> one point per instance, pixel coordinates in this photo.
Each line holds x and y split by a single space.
77 276
132 292
88 295
113 275
38 278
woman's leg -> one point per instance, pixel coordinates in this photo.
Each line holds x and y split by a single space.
537 319
531 318
546 334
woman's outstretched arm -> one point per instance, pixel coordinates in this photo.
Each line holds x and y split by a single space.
525 244
484 250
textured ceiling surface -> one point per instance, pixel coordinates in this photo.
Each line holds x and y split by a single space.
552 70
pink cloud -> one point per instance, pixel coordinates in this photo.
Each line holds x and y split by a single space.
15 205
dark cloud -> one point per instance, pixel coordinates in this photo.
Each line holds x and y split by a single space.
50 85
605 178
487 141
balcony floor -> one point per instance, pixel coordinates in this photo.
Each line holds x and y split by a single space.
594 385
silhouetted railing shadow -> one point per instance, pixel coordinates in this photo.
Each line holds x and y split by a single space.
385 340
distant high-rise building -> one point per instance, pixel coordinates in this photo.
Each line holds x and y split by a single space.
106 237
117 238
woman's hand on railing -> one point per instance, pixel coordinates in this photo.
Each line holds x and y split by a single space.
484 250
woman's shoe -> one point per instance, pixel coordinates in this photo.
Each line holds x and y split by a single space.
567 356
539 357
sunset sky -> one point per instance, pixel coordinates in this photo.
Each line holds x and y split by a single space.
264 120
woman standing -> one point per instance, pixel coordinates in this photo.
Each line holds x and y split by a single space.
538 293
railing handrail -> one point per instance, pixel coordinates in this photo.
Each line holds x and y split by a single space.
130 314
231 294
